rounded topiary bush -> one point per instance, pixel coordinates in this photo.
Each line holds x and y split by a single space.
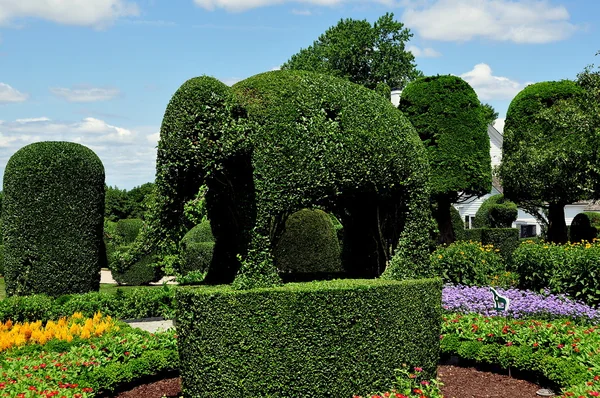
582 229
196 248
53 219
128 229
458 225
309 244
495 212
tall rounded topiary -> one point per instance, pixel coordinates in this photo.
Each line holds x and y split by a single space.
53 219
309 244
458 225
450 120
496 212
582 229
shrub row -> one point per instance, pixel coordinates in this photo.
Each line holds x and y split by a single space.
573 269
334 338
125 304
504 239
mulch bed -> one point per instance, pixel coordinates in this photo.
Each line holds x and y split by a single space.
459 382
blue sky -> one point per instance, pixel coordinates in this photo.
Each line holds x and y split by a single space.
101 72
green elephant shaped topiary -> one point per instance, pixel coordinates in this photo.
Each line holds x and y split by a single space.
282 141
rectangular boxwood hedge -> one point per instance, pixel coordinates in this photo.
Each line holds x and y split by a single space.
318 339
504 239
473 234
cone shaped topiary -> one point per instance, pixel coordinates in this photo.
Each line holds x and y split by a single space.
53 219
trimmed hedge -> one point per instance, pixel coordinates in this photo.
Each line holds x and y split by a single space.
496 212
309 243
141 272
581 229
473 234
1 259
318 339
283 141
124 304
53 219
504 239
196 248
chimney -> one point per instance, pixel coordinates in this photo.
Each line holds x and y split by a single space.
395 96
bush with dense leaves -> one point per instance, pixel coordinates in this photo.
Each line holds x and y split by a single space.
284 141
128 229
52 218
581 229
317 339
458 224
495 212
467 263
140 272
196 249
506 240
308 244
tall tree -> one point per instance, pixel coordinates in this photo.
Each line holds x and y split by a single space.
363 53
450 120
547 151
489 113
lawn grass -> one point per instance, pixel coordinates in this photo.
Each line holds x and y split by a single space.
104 288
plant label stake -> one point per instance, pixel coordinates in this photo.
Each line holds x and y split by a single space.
501 304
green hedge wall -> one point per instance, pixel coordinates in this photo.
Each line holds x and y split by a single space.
309 243
504 239
473 234
53 219
317 339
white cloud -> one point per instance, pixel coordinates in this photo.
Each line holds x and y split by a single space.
230 81
9 94
426 52
153 138
96 13
33 120
128 154
499 124
527 21
304 13
490 87
243 5
85 93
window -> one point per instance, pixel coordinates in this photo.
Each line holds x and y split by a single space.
528 231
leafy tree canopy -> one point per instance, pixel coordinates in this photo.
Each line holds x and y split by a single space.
363 53
489 113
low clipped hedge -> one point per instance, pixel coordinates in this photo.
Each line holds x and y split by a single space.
141 272
504 239
196 249
309 243
333 338
473 234
124 304
52 216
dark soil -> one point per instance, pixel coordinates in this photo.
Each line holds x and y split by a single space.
459 382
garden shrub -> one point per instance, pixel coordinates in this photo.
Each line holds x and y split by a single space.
458 224
52 218
506 240
473 235
467 263
329 338
450 121
582 229
141 272
594 218
128 229
536 263
495 212
124 304
284 141
196 249
308 244
1 260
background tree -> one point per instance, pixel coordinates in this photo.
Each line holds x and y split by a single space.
547 151
489 113
450 120
363 53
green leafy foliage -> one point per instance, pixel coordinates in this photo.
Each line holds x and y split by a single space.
450 121
458 225
506 240
308 244
495 212
301 339
52 219
581 229
544 162
283 141
466 263
473 235
489 114
141 272
121 204
127 230
369 55
1 260
196 249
